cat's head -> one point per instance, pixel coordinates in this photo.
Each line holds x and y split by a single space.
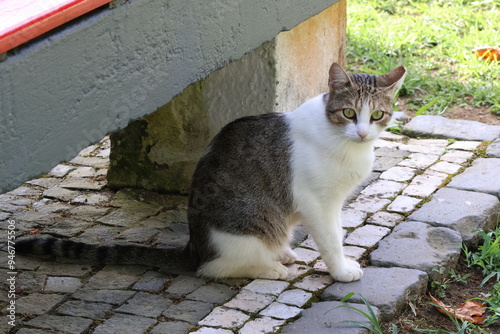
360 105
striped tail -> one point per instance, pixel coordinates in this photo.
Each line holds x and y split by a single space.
105 254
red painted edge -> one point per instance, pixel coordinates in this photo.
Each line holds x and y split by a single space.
28 29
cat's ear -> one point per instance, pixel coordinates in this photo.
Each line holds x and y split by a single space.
338 77
393 80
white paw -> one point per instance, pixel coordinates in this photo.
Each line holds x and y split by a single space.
288 256
349 271
277 271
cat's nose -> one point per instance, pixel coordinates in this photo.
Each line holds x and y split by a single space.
362 134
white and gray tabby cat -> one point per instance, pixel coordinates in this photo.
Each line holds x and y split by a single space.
261 175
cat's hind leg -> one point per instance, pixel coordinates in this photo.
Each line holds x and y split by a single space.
242 256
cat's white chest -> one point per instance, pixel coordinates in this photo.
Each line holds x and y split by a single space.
323 160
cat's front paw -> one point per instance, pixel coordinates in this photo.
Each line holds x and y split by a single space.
276 271
348 272
287 256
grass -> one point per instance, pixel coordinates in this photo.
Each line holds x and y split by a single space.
487 257
433 40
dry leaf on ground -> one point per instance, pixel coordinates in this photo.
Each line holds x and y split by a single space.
471 311
487 53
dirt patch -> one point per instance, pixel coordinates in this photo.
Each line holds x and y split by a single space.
466 112
480 114
425 316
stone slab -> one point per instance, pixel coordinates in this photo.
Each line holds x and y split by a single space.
385 219
61 194
494 148
83 309
145 304
440 127
403 204
264 325
38 303
225 317
62 284
386 288
124 323
250 301
104 296
189 311
171 327
330 317
399 174
213 292
386 158
367 236
58 323
383 189
419 246
183 285
151 281
295 297
281 311
267 286
483 176
116 277
314 282
463 211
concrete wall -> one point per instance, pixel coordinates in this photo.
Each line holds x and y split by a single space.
160 151
72 87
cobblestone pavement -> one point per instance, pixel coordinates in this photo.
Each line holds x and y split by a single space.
424 197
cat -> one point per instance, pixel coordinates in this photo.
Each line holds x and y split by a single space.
262 175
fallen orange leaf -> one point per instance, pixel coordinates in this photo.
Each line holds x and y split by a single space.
488 53
471 311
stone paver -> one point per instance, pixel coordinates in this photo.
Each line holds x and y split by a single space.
37 303
62 284
125 323
171 327
330 317
250 301
482 177
452 208
146 305
264 325
189 311
494 149
225 317
400 174
61 323
418 246
367 236
84 309
407 218
440 127
389 289
281 311
295 297
403 204
267 286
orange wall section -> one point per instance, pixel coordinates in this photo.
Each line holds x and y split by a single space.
24 20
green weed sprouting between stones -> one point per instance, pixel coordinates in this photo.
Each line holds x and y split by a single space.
433 39
488 255
447 277
370 315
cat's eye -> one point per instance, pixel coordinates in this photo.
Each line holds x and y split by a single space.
349 113
377 115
